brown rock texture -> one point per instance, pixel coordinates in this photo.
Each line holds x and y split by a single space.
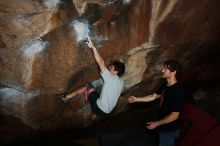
43 53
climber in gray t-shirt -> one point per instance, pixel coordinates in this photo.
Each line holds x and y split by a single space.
112 86
111 90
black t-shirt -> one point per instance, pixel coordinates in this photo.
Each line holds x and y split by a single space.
173 100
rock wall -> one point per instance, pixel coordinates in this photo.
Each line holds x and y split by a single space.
43 52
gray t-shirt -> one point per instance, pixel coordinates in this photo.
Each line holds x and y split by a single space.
111 90
97 83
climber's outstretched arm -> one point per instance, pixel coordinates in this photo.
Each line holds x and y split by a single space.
98 58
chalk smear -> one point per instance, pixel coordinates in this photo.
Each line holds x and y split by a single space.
13 101
126 1
33 47
51 3
30 50
82 29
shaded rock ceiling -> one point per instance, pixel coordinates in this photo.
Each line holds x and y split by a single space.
43 54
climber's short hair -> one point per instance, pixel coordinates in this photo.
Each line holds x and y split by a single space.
119 66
